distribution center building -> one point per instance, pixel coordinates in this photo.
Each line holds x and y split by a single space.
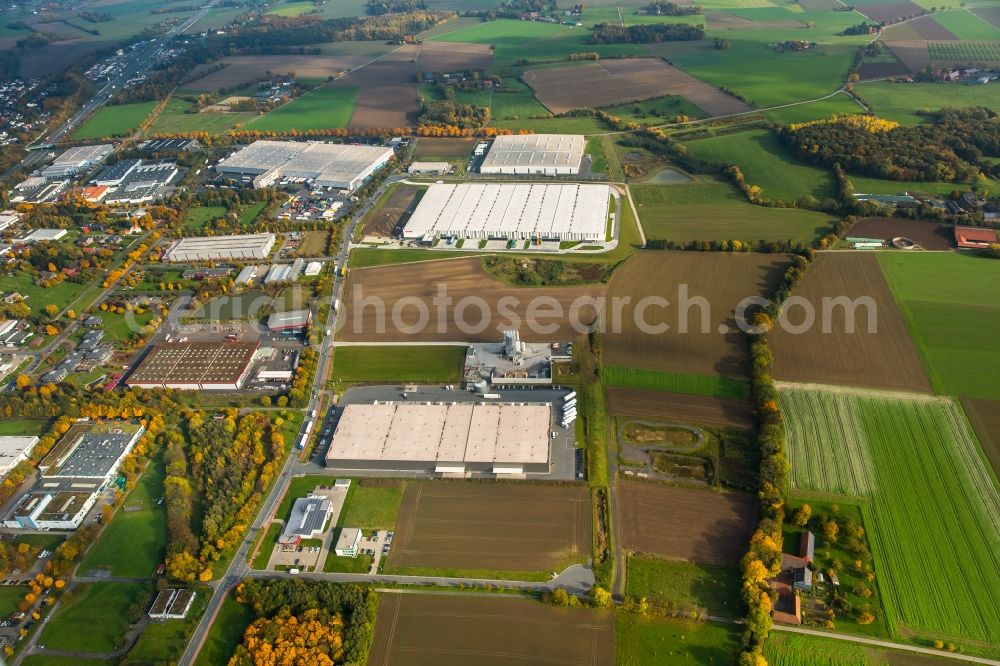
535 154
195 366
497 439
334 165
14 450
210 248
512 211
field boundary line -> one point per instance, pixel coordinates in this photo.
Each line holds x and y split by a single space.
887 644
862 391
635 216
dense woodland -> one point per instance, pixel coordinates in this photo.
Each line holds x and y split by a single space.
952 149
380 7
610 33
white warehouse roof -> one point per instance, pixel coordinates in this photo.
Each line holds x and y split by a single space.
512 211
531 153
329 164
245 246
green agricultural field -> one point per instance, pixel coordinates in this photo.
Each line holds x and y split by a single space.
784 649
866 185
292 9
675 382
115 120
656 111
903 102
666 642
177 118
766 163
430 364
714 210
373 507
951 303
800 113
322 108
925 488
684 585
76 627
983 52
968 27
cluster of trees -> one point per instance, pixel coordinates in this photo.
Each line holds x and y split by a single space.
448 111
863 28
355 608
953 149
313 637
613 33
667 8
379 7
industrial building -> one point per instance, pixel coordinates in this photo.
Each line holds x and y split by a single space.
347 542
172 604
161 145
294 320
527 211
333 165
464 438
430 168
535 154
44 236
77 159
309 519
15 450
135 181
195 366
210 248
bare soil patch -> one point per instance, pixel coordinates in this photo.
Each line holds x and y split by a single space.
243 69
383 220
726 21
679 408
892 12
388 97
434 147
408 288
912 53
454 57
984 415
928 235
881 70
989 14
685 523
506 527
612 82
55 57
885 358
703 290
436 630
927 28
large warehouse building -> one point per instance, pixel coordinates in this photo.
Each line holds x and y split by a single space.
535 154
334 165
211 248
196 366
498 439
511 211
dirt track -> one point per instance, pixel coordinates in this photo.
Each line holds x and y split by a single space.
685 523
612 82
886 358
679 408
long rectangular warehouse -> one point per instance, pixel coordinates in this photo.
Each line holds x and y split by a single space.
543 154
512 211
335 165
210 248
445 439
195 366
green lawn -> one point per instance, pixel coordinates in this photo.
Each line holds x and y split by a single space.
686 585
10 597
120 328
322 108
865 185
226 633
430 364
23 426
115 120
766 163
676 382
93 620
712 210
164 642
643 641
656 111
61 294
373 507
267 546
361 564
176 119
951 303
902 101
930 502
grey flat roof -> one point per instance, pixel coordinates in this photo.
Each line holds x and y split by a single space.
524 150
337 162
95 454
291 319
308 516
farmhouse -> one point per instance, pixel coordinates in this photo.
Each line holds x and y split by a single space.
541 154
209 248
196 366
974 237
330 165
795 575
497 439
511 211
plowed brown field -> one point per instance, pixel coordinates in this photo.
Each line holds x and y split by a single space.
411 289
514 527
435 630
612 82
886 358
928 235
243 69
685 523
703 288
890 12
679 408
985 418
388 97
454 57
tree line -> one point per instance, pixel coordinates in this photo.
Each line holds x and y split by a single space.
666 8
611 33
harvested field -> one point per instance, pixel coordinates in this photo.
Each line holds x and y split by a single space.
912 53
612 82
244 69
431 147
679 408
385 217
434 630
703 290
685 523
454 57
989 14
505 527
927 28
881 70
388 97
819 5
928 235
408 288
890 12
985 418
727 21
885 358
